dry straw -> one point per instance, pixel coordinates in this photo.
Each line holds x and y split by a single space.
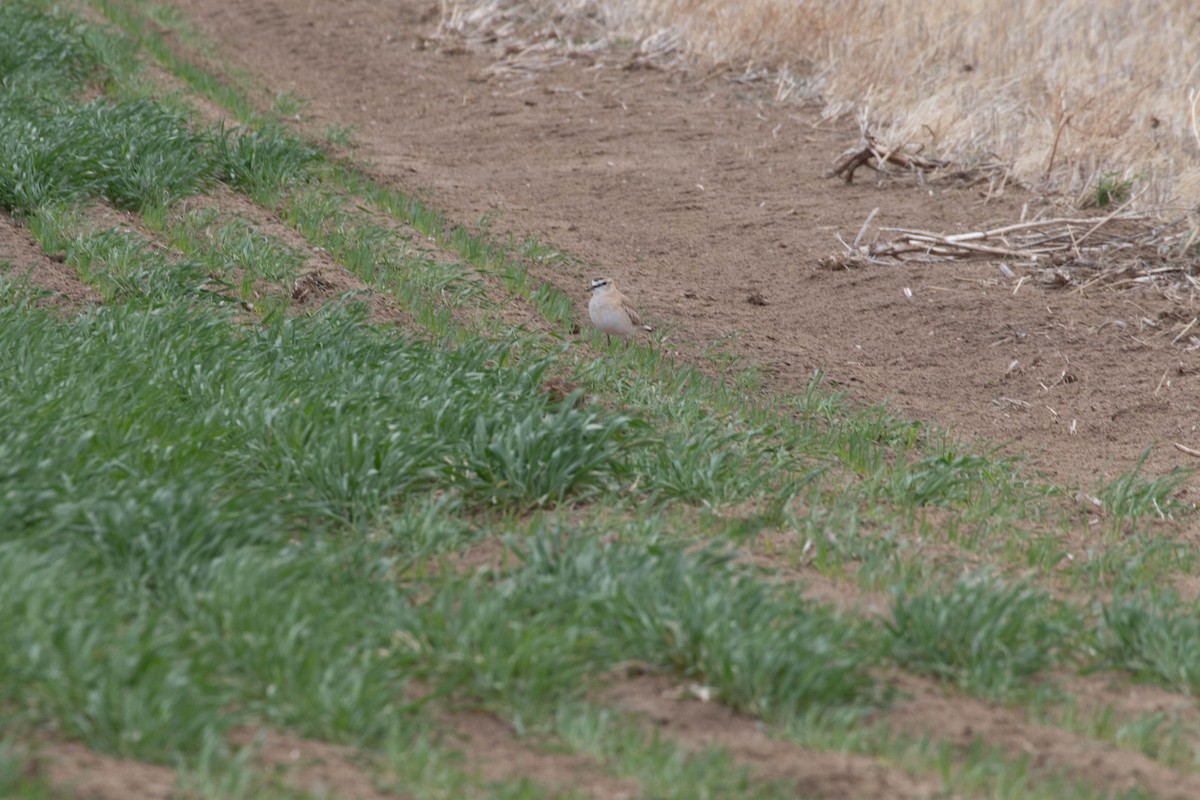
1080 97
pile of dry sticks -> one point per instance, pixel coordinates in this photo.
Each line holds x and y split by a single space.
1121 245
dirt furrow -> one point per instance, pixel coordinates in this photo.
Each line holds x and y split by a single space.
47 273
960 719
812 773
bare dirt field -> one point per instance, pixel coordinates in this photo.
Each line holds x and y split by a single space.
697 194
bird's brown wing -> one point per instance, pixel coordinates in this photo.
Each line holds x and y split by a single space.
633 316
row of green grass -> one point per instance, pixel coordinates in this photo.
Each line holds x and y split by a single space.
319 639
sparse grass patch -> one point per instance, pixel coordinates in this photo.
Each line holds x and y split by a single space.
1162 735
415 765
971 768
236 250
339 135
1147 557
287 104
1132 496
131 18
507 261
706 619
16 782
129 267
427 287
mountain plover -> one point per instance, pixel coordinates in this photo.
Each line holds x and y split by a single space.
611 311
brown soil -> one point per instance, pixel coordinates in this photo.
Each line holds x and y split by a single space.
490 554
698 724
929 708
490 749
494 750
81 774
704 200
1093 693
958 719
318 768
47 273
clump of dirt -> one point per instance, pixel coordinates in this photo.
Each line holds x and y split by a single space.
82 774
559 389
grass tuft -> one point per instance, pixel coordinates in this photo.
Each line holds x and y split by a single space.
1152 635
985 635
1131 496
263 162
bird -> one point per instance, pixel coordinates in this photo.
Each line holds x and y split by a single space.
611 311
